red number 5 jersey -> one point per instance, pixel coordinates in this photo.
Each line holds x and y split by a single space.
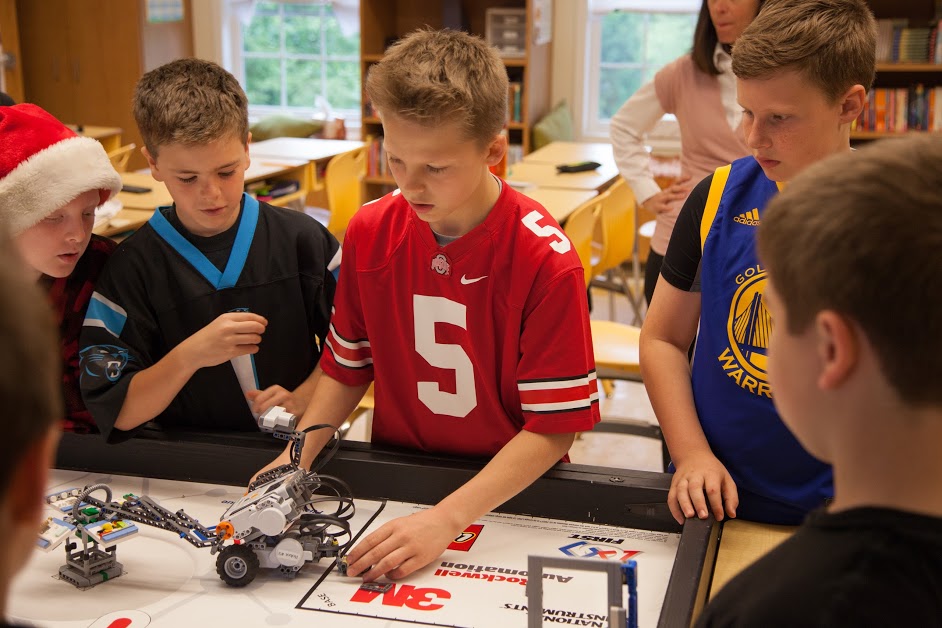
467 343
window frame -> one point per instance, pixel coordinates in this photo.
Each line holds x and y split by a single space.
585 78
234 60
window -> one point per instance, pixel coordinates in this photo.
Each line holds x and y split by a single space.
292 56
627 42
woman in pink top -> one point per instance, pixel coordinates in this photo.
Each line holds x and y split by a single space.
700 89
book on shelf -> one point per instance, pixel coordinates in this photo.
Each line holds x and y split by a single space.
898 41
376 165
514 104
900 109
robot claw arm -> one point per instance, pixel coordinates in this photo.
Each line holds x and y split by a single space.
282 424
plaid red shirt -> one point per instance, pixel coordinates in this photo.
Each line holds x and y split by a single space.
69 297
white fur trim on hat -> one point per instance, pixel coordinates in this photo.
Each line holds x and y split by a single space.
51 178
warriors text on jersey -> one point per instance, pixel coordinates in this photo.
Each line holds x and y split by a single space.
467 343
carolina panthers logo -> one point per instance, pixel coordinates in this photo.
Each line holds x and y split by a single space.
106 361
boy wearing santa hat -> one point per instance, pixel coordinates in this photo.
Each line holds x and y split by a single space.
51 182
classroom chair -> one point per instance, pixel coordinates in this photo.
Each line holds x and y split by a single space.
120 156
614 247
615 344
344 182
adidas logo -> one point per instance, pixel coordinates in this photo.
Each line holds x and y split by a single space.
750 218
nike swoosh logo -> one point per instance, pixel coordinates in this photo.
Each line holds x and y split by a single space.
465 281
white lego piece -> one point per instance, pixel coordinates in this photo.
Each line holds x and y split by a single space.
52 532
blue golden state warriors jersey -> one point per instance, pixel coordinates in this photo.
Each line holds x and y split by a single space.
777 480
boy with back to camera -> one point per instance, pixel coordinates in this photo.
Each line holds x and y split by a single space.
855 362
459 297
32 408
51 182
217 308
803 69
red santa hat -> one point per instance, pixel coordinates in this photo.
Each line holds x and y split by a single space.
44 165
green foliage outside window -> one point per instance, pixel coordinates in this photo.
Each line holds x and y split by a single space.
634 46
296 52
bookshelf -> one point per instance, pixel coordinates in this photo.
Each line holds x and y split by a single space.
382 22
907 94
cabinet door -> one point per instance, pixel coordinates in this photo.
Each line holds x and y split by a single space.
104 39
47 71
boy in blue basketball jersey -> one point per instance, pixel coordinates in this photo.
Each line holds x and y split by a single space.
217 308
733 455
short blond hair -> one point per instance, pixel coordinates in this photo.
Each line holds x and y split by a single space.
869 224
190 101
431 77
833 43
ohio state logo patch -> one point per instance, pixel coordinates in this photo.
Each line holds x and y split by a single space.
441 264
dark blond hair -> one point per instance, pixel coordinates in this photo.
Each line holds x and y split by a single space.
431 77
189 101
861 234
831 42
30 372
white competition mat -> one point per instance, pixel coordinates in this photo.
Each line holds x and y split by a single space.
168 582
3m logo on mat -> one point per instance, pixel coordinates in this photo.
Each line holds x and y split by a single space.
418 599
467 538
750 218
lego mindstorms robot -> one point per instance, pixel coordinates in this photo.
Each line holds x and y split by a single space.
289 517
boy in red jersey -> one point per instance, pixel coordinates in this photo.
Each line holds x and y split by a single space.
459 297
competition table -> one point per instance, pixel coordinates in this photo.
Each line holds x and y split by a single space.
165 574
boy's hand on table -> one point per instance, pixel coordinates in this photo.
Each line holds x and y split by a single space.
700 485
232 334
402 546
276 396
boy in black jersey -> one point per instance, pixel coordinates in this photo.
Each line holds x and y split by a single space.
854 358
216 309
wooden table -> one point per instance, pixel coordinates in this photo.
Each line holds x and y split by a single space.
556 153
743 543
303 148
109 136
138 208
306 148
157 197
558 202
545 175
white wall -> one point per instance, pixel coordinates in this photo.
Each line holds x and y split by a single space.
207 34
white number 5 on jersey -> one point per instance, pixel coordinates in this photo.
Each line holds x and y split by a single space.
547 231
427 311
